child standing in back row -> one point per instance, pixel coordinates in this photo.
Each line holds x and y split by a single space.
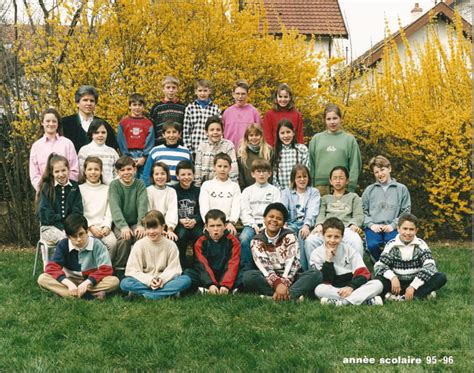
136 135
168 109
283 108
240 115
196 114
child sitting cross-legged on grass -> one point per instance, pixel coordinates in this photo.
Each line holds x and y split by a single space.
80 266
406 267
153 269
276 254
216 257
344 272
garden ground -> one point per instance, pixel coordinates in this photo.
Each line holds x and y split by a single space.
42 333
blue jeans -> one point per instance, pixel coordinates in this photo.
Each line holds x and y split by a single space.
172 287
295 228
376 241
246 260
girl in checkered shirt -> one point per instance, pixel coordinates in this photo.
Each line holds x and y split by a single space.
287 153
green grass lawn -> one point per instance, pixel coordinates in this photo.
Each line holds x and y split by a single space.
41 332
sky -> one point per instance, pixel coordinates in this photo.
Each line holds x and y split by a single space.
365 20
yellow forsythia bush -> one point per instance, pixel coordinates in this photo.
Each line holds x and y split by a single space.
418 114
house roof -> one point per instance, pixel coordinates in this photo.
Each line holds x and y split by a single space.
374 54
309 17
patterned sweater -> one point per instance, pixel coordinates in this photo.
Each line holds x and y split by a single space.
107 155
91 262
411 262
163 111
289 156
278 260
204 163
195 117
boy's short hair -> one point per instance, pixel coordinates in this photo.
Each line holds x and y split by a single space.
136 98
171 124
184 165
94 126
261 164
277 206
153 219
223 156
241 83
202 83
379 161
170 80
73 223
335 223
123 161
215 214
214 119
407 217
86 90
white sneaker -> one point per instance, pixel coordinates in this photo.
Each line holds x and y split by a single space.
394 298
331 302
375 301
300 299
269 297
431 295
235 291
203 291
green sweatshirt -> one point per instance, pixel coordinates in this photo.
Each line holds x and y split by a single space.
128 203
348 208
327 151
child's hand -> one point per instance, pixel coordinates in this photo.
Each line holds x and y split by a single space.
230 227
409 293
105 231
223 290
139 232
213 289
281 293
126 233
387 228
256 228
356 229
156 283
304 232
329 253
96 232
71 286
345 291
140 161
191 223
395 285
317 229
377 228
82 288
171 235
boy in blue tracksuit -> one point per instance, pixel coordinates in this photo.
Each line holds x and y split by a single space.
383 203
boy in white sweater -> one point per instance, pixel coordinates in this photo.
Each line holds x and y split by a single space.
221 193
153 269
255 199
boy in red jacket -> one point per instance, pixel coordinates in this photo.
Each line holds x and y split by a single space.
216 258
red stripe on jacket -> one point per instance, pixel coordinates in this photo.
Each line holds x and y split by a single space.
233 264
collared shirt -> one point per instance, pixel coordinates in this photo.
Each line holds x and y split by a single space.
89 245
40 152
85 122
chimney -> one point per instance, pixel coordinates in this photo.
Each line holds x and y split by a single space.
416 11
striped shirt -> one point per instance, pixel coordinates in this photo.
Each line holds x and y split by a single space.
170 155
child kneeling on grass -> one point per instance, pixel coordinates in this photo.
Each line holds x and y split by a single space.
81 264
153 269
344 272
406 267
216 258
276 254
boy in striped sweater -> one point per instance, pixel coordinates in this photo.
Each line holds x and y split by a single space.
406 267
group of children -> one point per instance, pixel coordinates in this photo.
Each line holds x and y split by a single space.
135 216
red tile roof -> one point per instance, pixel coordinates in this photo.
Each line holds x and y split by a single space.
313 17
